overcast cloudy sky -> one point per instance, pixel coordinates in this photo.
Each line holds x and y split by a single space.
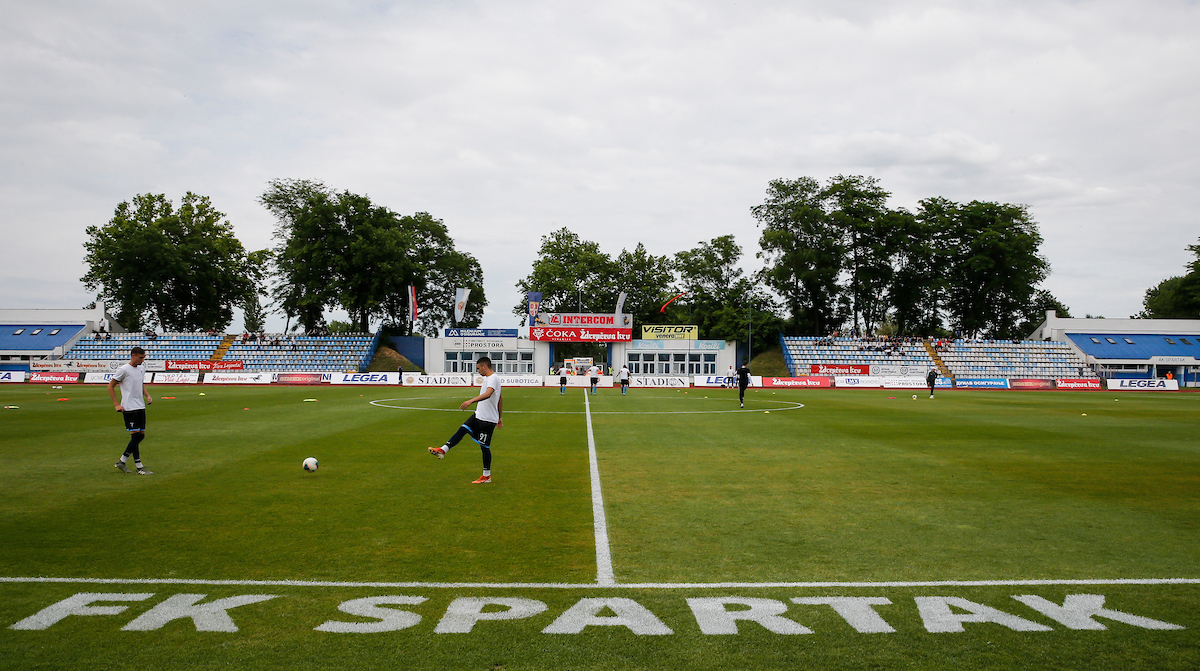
653 122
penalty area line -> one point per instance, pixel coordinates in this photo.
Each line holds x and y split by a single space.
597 585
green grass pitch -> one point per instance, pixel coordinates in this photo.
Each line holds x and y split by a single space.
930 508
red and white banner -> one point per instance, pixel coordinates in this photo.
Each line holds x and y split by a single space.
580 334
204 366
816 381
838 369
176 378
53 378
1029 383
1078 383
237 378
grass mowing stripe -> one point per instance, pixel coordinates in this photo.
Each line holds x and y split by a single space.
604 567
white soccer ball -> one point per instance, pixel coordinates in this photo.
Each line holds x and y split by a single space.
914 397
310 464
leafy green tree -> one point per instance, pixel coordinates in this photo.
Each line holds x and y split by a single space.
180 270
1175 297
647 280
858 208
340 249
995 268
1043 300
804 253
916 288
572 274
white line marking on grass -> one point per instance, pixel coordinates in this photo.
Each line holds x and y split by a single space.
604 568
593 585
383 403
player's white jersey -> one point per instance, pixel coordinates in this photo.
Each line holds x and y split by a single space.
131 378
488 410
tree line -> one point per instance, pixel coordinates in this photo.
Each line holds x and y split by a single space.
1176 297
835 258
183 269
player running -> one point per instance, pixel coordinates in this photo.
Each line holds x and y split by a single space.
594 373
134 400
931 379
483 423
623 376
743 378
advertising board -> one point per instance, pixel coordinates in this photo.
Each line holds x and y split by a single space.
811 382
890 370
670 332
365 378
237 378
203 366
1143 385
904 383
838 369
447 380
176 378
855 381
666 381
714 381
298 378
982 383
82 365
1030 383
553 319
98 378
12 376
580 334
1078 384
42 376
527 380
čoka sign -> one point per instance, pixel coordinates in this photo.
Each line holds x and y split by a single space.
581 334
1143 385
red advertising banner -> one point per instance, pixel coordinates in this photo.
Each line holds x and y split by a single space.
580 334
204 366
1078 384
798 382
53 378
838 369
1030 383
298 378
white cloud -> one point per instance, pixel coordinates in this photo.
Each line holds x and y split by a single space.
627 122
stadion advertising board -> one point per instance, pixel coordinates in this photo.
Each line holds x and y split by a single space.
670 332
1079 384
1142 385
515 380
365 378
81 365
103 378
811 382
203 366
176 378
838 369
665 381
1030 383
298 378
12 376
982 383
479 339
720 381
238 378
40 376
447 380
579 327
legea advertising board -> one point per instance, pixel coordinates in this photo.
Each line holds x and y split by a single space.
1143 385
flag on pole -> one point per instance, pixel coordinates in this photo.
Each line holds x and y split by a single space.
460 303
412 303
621 302
535 305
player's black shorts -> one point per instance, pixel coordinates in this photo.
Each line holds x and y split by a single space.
481 431
625 382
595 381
562 381
135 420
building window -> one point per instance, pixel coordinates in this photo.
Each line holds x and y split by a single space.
1184 341
1110 341
18 331
1095 340
54 332
1169 341
35 332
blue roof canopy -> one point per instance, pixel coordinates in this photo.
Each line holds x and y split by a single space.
1136 345
36 337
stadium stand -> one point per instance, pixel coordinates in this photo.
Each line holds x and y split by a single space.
1142 355
274 353
801 353
304 353
165 347
1013 359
